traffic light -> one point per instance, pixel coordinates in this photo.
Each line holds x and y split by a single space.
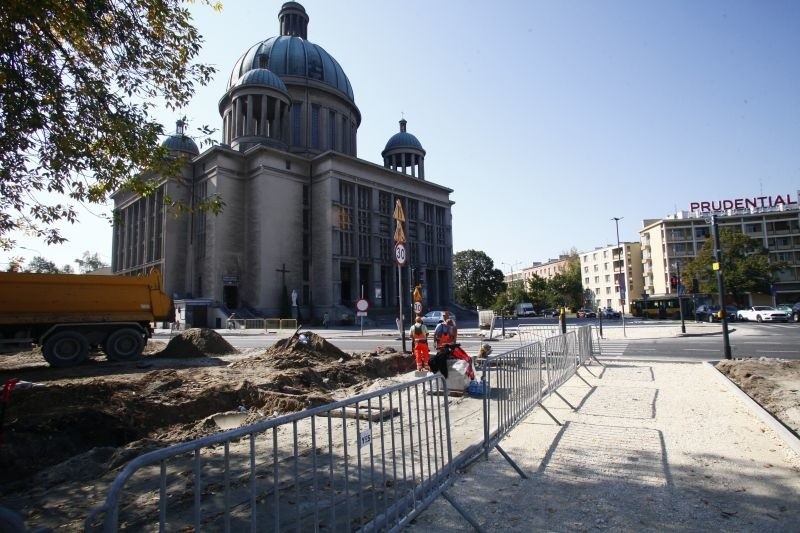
673 283
695 286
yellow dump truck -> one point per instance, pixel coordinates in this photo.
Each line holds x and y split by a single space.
67 314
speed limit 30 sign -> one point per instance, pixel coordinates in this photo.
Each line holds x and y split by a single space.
400 253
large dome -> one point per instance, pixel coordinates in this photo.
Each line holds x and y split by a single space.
292 55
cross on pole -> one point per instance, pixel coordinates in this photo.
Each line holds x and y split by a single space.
283 271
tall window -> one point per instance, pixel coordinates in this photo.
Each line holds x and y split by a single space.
315 126
332 130
297 123
364 223
346 199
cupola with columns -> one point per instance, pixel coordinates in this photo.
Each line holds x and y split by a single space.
404 153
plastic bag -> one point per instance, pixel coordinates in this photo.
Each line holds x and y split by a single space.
460 366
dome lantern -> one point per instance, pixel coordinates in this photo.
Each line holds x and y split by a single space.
180 142
404 153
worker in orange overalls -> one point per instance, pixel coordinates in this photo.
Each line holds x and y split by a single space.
419 338
444 333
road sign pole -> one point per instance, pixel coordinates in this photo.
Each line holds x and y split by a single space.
400 295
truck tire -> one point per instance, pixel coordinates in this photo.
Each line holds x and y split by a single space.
124 345
65 348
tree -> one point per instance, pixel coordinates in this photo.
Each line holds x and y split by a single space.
537 290
40 265
90 262
565 288
746 267
477 282
78 84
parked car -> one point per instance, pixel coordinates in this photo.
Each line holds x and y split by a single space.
705 313
607 312
796 312
432 318
550 312
732 312
763 313
784 307
585 313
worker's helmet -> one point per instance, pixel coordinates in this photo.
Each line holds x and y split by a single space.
419 319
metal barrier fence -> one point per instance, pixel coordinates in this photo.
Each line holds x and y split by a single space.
371 462
588 334
561 356
516 382
261 323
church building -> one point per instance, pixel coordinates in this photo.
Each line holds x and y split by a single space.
303 215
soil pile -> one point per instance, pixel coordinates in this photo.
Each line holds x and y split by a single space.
196 342
773 383
83 423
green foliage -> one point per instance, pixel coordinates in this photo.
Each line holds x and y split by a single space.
78 84
746 267
90 262
538 293
565 288
40 265
477 282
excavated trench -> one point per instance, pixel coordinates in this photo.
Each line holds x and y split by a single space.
169 397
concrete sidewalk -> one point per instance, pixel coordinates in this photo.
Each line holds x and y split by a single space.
650 446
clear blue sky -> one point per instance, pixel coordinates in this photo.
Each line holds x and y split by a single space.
548 118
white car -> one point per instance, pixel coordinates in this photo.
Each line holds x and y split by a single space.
762 313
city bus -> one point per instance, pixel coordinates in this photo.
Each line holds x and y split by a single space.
666 306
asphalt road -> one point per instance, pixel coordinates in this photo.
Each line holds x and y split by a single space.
746 340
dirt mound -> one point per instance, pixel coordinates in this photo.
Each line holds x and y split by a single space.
303 350
50 429
196 342
773 383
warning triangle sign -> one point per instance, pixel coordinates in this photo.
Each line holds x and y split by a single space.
398 212
399 234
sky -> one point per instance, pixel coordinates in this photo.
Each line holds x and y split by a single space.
546 118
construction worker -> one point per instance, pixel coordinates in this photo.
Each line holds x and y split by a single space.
443 334
419 338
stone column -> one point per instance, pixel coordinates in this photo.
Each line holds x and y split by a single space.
263 130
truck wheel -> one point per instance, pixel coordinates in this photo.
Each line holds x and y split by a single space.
65 348
124 345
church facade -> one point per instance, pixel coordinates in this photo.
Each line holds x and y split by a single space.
303 215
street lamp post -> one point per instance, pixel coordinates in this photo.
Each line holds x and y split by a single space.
680 295
726 343
619 276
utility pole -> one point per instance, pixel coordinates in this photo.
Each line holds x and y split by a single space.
726 343
680 295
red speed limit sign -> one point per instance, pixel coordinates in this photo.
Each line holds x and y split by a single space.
400 253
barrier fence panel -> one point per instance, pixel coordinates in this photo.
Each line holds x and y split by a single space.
561 360
512 386
371 462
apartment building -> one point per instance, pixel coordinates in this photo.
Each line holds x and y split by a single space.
670 242
612 275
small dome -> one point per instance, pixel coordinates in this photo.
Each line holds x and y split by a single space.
261 77
403 139
180 142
